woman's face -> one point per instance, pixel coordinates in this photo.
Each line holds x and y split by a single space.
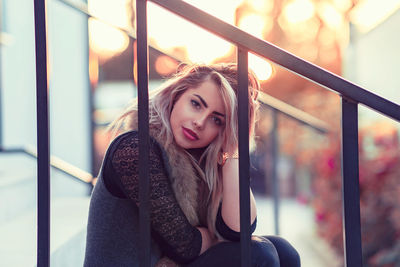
198 116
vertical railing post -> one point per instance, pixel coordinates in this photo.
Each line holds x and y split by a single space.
244 158
43 161
274 158
350 179
143 114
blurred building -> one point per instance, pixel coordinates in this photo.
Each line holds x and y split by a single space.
372 61
69 88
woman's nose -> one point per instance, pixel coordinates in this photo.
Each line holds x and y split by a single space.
199 122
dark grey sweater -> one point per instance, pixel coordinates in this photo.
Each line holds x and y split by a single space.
112 232
113 228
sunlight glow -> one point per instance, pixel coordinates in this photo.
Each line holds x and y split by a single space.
298 11
254 24
93 69
301 32
265 6
165 65
205 47
172 33
342 5
222 9
113 12
201 46
326 37
261 67
330 15
105 40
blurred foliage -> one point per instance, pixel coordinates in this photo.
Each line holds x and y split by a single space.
379 163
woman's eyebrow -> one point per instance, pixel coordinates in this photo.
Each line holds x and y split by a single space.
219 114
202 100
205 104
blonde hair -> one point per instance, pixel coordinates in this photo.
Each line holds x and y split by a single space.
162 100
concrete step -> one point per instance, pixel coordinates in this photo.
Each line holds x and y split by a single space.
18 185
18 243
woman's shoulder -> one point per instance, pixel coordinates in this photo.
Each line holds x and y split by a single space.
125 147
131 139
132 134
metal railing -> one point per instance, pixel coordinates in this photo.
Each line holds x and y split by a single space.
351 94
45 159
277 106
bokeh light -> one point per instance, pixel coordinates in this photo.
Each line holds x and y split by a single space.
261 67
200 45
255 24
330 15
165 65
298 11
104 39
305 23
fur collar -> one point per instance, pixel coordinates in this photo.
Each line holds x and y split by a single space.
182 173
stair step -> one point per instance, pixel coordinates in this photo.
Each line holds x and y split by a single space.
17 185
18 243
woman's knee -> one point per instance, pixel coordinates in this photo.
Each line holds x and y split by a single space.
288 255
263 253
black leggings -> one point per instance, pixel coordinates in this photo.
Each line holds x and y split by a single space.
266 251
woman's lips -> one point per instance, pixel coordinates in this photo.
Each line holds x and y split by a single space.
189 134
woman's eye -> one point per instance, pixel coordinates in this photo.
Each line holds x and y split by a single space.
195 103
217 121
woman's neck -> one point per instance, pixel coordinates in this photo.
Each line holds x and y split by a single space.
196 152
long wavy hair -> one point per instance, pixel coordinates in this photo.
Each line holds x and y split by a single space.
162 100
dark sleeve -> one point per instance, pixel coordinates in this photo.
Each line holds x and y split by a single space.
176 236
227 232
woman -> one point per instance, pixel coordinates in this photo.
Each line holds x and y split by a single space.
194 182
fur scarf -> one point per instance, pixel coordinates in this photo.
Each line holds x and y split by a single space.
182 172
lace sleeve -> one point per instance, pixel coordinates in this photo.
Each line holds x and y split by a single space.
176 236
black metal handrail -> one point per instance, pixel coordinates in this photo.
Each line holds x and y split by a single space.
274 104
263 98
281 57
77 173
351 95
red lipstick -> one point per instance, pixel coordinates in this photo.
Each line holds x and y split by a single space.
189 134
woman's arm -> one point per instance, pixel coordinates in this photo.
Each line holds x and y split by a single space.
230 196
179 240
